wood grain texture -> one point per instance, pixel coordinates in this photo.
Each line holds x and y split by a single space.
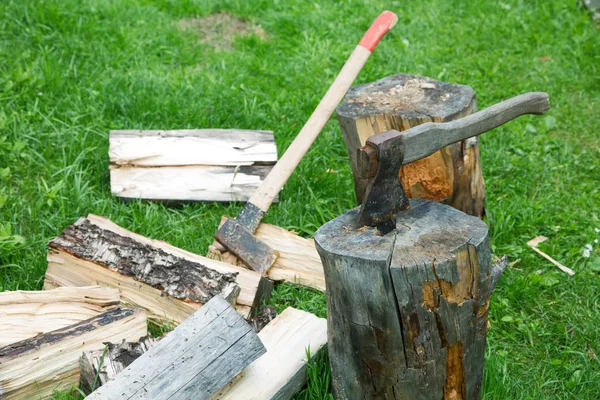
407 312
190 165
186 184
35 367
399 102
298 261
25 314
101 366
281 372
193 361
65 269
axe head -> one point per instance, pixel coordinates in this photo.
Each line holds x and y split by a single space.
237 235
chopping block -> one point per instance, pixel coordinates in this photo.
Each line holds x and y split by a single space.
407 311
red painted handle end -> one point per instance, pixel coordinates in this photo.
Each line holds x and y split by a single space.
378 29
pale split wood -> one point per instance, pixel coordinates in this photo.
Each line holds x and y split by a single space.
190 165
533 243
298 263
193 361
35 367
232 147
189 183
25 314
280 372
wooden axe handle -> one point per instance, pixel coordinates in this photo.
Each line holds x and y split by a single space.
280 173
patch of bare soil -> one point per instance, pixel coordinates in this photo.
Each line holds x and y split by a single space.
219 30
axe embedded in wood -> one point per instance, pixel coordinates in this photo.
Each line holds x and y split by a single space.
383 155
237 235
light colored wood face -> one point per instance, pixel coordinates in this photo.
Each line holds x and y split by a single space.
190 165
25 314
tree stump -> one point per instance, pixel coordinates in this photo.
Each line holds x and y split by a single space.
407 312
451 175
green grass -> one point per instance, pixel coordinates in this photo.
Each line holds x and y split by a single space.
71 70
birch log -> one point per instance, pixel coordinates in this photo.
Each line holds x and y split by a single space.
190 165
193 361
281 372
170 283
298 261
25 314
407 312
452 175
35 367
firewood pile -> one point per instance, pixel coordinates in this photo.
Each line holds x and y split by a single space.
105 285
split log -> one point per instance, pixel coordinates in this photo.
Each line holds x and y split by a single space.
100 366
452 175
190 165
35 367
280 372
149 273
25 314
193 361
298 262
407 312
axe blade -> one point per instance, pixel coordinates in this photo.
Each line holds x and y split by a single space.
247 247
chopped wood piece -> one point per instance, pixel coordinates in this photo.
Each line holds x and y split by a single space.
175 276
72 263
280 372
407 312
35 367
100 366
452 175
193 361
190 165
298 262
25 314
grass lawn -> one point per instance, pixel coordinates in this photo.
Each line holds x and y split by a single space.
71 70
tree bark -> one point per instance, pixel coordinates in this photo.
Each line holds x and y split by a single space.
452 175
407 312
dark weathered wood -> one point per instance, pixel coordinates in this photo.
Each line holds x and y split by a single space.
193 361
35 367
175 276
102 365
407 312
452 175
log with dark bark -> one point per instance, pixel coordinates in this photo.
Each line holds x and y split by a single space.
168 282
193 361
34 368
407 312
102 365
451 175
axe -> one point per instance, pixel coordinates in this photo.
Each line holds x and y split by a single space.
383 155
237 235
